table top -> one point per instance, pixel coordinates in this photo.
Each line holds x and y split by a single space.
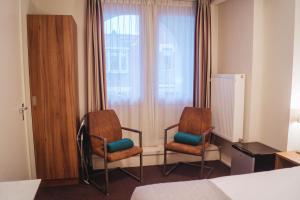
19 190
291 156
254 148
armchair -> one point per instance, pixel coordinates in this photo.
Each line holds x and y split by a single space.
104 127
196 121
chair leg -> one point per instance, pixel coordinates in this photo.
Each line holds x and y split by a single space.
202 164
167 172
136 177
141 168
220 153
106 177
165 162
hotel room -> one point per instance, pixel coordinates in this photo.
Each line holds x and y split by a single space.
150 99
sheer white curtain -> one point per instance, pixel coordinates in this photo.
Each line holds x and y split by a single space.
174 61
150 56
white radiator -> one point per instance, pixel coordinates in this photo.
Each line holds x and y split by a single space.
227 105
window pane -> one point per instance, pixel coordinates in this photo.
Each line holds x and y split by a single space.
175 57
122 57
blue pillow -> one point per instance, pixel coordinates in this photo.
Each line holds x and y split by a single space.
187 138
119 145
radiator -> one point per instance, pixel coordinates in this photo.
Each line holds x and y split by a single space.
227 105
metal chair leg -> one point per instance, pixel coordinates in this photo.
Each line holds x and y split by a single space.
106 178
141 168
202 164
165 171
168 172
138 178
165 163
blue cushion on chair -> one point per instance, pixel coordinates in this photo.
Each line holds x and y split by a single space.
187 138
119 145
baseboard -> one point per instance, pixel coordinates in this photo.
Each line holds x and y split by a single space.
154 156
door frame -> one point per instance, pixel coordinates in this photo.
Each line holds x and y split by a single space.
30 154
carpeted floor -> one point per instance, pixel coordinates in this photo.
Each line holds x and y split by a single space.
122 186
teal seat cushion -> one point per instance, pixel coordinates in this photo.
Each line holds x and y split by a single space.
187 138
119 145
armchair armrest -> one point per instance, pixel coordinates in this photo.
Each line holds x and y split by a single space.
104 140
135 131
170 127
205 133
132 130
208 131
166 132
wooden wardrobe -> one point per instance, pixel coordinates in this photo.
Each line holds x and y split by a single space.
52 50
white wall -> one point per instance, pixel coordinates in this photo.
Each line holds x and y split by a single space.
256 38
294 129
255 119
279 17
14 156
24 9
235 36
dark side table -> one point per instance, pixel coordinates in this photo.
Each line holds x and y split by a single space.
252 157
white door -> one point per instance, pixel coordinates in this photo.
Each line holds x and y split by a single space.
13 148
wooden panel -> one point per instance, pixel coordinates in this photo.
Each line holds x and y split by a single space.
52 44
287 159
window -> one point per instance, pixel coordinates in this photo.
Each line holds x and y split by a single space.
149 57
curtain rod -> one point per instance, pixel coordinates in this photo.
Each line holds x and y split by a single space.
191 1
154 0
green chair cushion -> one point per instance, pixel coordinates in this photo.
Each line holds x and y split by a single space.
119 145
187 138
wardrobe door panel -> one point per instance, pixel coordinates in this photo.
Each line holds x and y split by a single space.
54 100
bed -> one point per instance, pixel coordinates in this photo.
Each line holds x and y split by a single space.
19 190
282 184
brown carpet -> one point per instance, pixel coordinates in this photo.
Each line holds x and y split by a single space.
122 186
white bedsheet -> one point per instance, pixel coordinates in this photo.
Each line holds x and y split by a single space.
190 190
283 184
19 190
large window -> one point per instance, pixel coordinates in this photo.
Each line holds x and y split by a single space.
149 57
